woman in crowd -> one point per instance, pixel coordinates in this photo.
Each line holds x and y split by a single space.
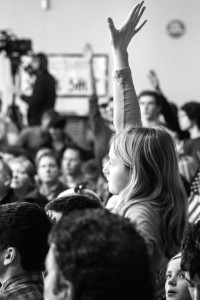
48 171
143 169
23 181
189 119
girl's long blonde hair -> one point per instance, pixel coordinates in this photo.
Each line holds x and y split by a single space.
150 155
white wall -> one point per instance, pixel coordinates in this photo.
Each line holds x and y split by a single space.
70 23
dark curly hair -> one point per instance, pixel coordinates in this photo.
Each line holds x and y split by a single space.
103 256
192 109
190 250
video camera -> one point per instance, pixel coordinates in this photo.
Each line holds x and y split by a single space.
13 46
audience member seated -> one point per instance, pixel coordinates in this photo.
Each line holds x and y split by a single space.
23 181
59 138
24 229
189 119
34 137
190 259
48 171
95 180
97 255
176 286
72 162
72 199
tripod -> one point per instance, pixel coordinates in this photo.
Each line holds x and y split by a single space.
13 110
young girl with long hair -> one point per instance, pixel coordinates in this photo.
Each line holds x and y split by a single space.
143 169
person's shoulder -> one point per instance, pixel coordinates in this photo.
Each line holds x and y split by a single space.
23 292
141 211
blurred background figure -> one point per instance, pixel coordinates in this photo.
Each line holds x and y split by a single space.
48 171
101 115
44 90
94 179
60 139
189 119
35 137
72 162
23 181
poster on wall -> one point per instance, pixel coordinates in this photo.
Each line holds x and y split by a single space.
71 74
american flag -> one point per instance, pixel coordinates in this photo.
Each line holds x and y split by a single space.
194 199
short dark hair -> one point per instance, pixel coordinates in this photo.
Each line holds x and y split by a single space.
58 122
190 250
25 226
103 256
43 60
82 152
153 94
192 109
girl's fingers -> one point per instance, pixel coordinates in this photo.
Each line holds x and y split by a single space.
140 26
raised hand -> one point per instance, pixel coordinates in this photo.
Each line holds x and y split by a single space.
120 38
154 80
88 53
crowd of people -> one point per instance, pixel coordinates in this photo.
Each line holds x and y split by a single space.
115 221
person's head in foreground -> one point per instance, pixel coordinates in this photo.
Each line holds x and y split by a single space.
72 199
176 286
143 166
97 255
190 260
24 229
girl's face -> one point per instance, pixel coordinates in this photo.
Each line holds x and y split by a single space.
176 286
117 174
48 170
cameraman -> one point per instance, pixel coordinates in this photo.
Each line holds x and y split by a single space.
44 90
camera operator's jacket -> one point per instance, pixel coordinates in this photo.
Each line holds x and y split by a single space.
42 99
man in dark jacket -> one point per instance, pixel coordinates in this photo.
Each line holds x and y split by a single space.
44 90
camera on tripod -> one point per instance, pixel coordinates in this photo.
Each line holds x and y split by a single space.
13 46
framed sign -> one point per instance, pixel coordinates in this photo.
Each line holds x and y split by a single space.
71 74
